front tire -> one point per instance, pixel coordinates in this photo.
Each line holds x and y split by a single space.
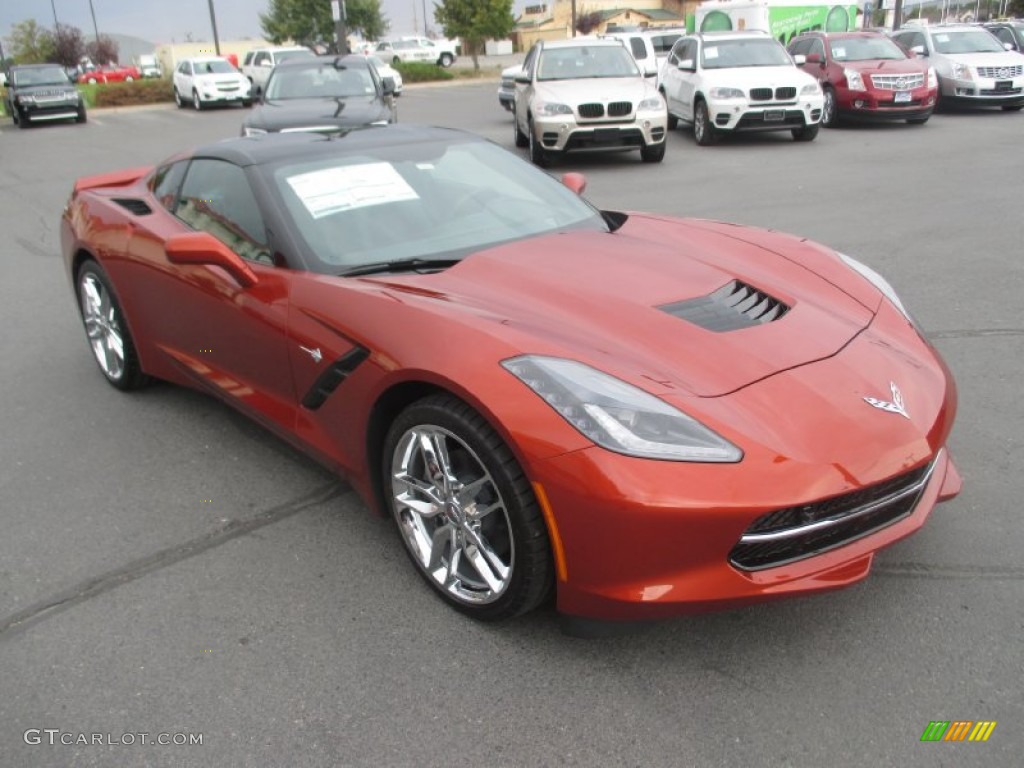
807 133
518 136
196 101
828 109
465 510
653 153
446 60
538 155
703 131
24 121
82 116
107 329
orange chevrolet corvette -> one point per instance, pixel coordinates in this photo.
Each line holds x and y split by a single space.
644 416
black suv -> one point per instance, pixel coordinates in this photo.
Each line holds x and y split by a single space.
1010 31
37 92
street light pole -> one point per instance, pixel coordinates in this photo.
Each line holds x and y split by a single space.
95 29
425 31
213 23
56 23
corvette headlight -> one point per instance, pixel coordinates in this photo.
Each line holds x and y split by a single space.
810 89
879 282
653 103
933 78
725 93
853 80
617 415
961 71
250 131
550 109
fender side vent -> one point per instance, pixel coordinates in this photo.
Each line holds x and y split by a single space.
138 207
331 378
734 306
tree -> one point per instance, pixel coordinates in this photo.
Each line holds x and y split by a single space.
475 21
102 51
309 21
30 43
68 46
588 21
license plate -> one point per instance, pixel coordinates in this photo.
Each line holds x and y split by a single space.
1004 85
774 115
606 135
902 96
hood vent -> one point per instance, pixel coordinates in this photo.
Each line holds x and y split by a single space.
138 207
734 306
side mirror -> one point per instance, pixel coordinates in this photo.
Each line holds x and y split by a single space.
919 50
204 248
813 58
687 65
1008 46
799 59
387 85
577 182
523 79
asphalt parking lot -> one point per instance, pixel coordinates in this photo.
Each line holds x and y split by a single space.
167 567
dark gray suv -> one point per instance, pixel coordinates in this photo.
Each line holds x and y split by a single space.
41 92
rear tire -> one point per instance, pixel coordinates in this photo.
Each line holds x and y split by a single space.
1013 108
807 133
703 131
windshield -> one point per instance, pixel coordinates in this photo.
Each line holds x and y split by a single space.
288 55
213 67
430 200
586 61
377 62
324 81
967 41
41 76
865 49
759 52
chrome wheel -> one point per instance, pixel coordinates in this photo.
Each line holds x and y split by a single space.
828 109
102 326
451 515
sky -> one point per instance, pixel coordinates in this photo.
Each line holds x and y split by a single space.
164 21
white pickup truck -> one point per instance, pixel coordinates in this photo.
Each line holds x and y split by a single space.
413 48
260 62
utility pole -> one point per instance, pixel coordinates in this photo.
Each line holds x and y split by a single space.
95 29
56 23
574 18
425 30
338 13
897 15
213 23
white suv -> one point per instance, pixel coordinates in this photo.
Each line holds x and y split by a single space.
586 93
210 80
650 47
739 81
260 62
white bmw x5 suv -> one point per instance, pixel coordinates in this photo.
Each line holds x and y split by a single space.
738 81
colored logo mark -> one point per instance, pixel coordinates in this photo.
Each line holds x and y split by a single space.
958 730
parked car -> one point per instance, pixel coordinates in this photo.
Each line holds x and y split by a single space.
1009 32
739 81
722 416
866 76
210 80
444 52
507 88
260 62
650 47
112 74
42 92
398 51
324 94
586 93
973 66
386 70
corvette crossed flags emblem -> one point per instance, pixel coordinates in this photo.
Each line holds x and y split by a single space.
896 406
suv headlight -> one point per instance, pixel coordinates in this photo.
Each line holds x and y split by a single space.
617 415
726 93
961 71
853 80
550 109
933 78
810 89
26 99
879 282
653 103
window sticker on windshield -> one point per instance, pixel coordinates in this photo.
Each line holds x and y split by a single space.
838 52
711 53
352 186
942 38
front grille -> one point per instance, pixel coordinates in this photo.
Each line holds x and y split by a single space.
619 108
51 94
760 94
798 532
1002 73
897 82
733 306
999 92
794 119
591 111
784 94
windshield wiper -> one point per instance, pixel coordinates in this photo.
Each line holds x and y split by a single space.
400 265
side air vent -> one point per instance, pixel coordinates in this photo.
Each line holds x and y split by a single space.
138 207
734 306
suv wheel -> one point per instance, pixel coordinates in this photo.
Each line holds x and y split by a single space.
537 154
828 109
653 153
178 100
703 131
807 133
519 137
196 101
446 60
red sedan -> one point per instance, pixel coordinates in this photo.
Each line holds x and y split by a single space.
866 76
115 74
648 416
